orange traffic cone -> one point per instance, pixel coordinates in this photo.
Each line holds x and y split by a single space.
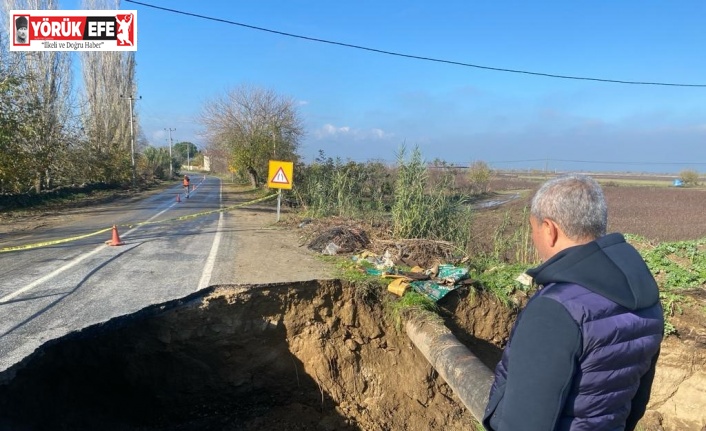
116 238
178 197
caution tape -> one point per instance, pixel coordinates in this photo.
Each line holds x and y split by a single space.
53 242
201 214
76 238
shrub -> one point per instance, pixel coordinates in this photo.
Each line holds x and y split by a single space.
479 177
689 177
424 211
333 187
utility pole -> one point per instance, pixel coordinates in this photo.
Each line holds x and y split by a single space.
170 151
132 135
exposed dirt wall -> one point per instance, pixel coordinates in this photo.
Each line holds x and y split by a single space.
301 356
318 355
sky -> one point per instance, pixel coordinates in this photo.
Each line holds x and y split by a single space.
361 105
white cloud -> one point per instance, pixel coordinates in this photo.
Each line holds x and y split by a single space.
329 131
158 137
378 133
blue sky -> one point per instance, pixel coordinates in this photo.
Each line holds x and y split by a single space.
362 105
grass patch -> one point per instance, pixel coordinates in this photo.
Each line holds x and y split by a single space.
501 281
411 303
677 266
368 288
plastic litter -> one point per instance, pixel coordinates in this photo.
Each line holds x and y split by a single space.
331 249
304 222
450 274
398 286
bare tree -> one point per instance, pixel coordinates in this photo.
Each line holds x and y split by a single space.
254 125
46 90
109 82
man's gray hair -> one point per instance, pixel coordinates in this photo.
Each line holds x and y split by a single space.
574 202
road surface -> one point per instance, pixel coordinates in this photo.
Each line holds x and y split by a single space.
51 291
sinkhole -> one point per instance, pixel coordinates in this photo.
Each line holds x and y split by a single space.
316 355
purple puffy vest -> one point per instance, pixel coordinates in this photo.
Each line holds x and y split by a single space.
618 348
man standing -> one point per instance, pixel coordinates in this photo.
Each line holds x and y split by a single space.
582 354
21 30
186 185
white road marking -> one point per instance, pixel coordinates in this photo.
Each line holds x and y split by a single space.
71 264
211 260
51 275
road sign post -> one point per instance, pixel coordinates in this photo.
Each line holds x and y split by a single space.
280 177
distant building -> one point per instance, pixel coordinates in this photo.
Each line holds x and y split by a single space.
206 163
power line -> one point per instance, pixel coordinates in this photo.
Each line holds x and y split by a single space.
417 57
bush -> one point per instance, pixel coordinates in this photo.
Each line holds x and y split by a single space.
689 177
423 211
331 187
479 177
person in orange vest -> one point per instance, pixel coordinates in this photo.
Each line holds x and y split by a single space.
186 185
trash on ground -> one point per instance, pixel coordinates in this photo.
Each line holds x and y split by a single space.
434 283
331 249
398 286
524 279
379 263
432 290
304 222
347 239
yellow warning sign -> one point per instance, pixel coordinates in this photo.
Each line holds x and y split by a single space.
280 174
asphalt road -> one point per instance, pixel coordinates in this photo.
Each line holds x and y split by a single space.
51 291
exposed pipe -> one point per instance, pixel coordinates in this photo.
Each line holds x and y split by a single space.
467 376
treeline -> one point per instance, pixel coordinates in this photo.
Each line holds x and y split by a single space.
54 135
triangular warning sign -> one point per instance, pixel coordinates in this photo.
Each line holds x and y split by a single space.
280 177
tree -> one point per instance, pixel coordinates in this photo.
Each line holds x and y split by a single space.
109 82
48 140
184 151
253 125
45 89
14 161
156 162
479 176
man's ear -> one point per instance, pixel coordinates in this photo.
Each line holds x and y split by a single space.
551 230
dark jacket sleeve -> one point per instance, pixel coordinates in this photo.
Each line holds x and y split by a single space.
496 393
543 358
642 397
